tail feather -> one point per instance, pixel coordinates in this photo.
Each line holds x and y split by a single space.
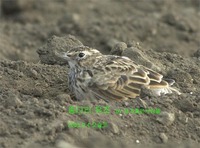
158 84
163 88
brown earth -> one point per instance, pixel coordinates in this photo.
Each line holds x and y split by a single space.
34 97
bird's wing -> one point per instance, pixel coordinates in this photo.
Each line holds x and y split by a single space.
119 78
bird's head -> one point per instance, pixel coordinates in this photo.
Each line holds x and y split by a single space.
82 56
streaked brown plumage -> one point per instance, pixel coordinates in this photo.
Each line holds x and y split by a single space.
93 75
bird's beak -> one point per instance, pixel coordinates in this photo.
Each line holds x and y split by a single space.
63 55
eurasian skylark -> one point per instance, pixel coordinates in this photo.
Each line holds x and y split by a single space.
93 75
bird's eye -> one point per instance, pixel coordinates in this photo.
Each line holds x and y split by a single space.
81 55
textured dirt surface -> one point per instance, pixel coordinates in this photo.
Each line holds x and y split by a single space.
34 97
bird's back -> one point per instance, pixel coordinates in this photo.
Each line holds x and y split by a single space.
116 78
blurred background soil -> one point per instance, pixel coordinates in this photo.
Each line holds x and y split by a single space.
161 34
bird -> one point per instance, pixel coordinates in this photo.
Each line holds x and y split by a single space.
94 76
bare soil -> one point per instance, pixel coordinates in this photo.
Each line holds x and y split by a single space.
34 97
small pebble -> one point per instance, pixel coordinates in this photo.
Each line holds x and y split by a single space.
163 137
64 98
126 104
13 100
46 101
118 48
114 128
166 118
33 73
64 144
35 100
137 141
37 92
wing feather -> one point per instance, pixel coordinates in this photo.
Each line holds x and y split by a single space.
153 76
117 78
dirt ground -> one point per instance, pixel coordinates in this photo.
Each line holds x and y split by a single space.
34 97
